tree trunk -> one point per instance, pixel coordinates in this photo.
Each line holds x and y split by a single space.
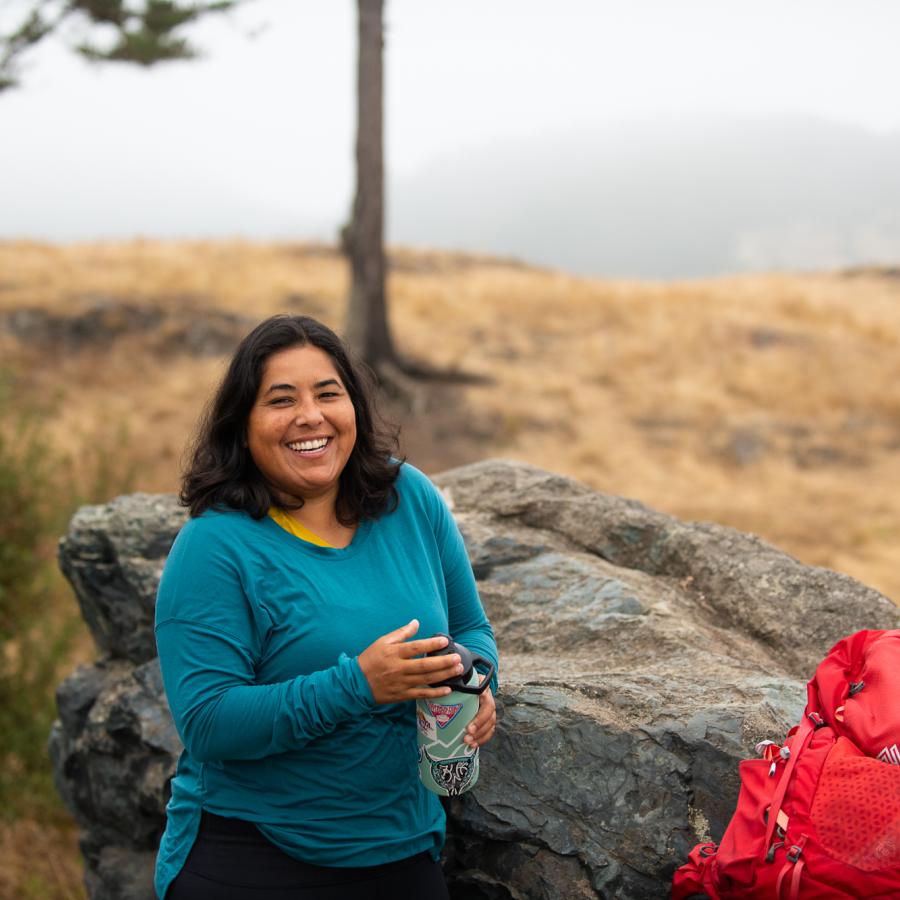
367 329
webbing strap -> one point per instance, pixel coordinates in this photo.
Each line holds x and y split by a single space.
795 862
795 879
800 743
784 870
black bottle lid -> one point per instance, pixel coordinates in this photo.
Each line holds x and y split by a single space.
468 660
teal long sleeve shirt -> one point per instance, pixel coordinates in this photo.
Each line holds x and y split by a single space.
258 635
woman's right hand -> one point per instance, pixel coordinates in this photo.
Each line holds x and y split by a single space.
395 674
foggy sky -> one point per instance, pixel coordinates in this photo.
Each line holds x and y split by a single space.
256 140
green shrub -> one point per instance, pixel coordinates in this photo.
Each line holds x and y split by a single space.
38 619
32 641
24 484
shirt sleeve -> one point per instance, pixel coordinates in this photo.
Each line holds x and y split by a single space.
467 620
209 645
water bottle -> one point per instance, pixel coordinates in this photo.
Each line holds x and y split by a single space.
447 764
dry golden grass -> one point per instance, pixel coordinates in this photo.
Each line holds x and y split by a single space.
768 403
771 404
40 862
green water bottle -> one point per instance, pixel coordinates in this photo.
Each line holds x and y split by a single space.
447 764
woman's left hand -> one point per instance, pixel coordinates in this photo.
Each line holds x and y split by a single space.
481 728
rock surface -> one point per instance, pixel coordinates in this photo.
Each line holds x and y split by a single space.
113 556
96 322
641 658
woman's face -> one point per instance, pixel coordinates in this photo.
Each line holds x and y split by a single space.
302 427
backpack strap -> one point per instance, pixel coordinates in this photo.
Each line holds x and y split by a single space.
793 862
799 744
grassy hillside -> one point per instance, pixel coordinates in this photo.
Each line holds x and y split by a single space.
768 403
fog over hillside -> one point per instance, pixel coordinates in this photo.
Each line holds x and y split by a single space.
667 199
663 198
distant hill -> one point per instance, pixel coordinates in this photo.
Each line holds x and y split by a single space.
667 199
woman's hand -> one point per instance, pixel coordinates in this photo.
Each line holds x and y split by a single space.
394 674
481 728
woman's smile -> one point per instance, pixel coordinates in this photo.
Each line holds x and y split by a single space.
309 447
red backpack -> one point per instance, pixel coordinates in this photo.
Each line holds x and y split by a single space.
818 818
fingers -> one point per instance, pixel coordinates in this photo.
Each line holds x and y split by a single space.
416 674
422 646
410 648
397 670
404 633
481 728
435 668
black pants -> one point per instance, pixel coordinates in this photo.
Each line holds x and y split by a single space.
231 860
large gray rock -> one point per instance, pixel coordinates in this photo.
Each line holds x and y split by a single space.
114 750
113 556
727 578
641 659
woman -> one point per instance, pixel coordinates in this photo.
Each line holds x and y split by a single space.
292 621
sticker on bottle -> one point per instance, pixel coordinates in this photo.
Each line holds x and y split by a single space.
426 725
444 713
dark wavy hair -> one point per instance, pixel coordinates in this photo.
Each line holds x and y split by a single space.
221 472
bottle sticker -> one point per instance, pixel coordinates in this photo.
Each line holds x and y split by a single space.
444 714
455 776
425 724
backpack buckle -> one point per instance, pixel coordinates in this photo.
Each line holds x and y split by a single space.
795 851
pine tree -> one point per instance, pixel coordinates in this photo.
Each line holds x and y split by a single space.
367 328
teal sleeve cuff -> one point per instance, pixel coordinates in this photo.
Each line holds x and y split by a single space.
359 681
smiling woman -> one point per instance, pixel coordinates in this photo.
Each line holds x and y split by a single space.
300 433
286 620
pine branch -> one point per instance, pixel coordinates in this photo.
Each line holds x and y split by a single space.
146 31
32 31
143 47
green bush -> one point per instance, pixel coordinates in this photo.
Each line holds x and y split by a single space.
38 619
24 482
32 640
